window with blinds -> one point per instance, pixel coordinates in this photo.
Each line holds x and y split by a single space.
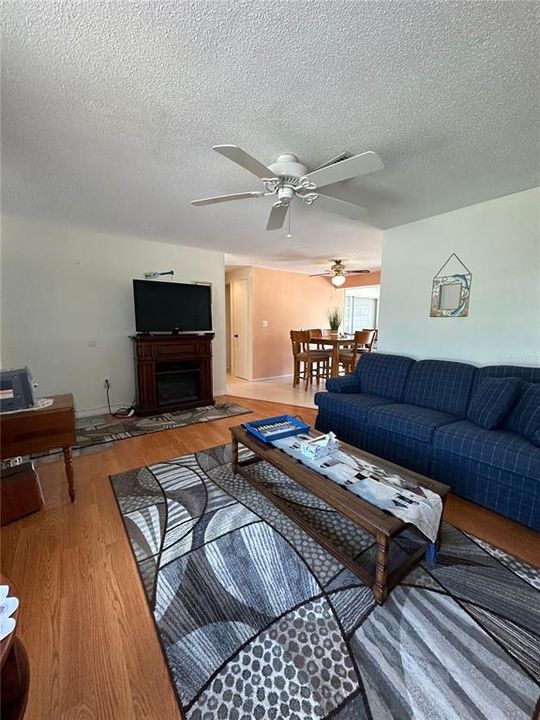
359 313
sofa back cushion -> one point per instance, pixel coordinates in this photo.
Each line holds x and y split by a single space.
440 385
524 417
527 374
492 400
383 375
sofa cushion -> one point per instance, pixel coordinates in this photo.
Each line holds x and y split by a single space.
416 422
383 375
492 400
440 385
527 374
498 448
524 417
350 406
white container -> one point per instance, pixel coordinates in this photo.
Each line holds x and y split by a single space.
319 447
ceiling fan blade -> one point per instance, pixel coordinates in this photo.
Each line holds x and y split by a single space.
357 272
226 198
321 274
244 159
277 216
362 164
332 204
337 158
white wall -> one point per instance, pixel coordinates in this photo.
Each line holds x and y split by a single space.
67 306
499 241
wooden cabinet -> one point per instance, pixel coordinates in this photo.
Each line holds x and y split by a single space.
173 372
32 431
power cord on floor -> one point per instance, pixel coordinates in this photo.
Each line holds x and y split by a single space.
121 412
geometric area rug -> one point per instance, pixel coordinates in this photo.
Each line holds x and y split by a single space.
93 432
257 620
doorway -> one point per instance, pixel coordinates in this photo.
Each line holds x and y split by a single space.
239 327
228 325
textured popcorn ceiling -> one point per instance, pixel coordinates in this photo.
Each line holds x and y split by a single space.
110 110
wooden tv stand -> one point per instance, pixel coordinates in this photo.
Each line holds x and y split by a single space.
173 372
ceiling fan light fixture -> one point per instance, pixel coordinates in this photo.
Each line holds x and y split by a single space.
338 280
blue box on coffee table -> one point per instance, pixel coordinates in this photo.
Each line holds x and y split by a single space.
276 428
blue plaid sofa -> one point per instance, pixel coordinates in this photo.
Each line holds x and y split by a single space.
418 414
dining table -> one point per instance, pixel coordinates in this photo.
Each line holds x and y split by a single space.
335 342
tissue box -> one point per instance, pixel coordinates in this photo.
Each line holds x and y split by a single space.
320 446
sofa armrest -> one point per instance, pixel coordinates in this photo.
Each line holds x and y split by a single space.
343 384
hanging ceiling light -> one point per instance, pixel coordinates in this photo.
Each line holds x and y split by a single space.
338 280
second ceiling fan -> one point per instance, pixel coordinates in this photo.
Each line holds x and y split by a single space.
338 273
287 178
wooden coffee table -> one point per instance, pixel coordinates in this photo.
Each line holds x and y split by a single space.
382 526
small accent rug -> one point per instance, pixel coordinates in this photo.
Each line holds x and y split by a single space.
93 432
257 620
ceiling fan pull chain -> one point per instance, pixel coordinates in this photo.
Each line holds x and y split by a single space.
289 236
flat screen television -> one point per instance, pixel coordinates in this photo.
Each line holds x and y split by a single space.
171 307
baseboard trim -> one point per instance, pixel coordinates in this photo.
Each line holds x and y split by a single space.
272 377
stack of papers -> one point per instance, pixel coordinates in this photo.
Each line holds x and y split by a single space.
8 605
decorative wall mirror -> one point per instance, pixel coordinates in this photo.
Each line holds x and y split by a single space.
450 291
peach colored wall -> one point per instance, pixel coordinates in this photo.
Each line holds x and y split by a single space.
288 301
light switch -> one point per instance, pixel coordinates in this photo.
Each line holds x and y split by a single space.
265 323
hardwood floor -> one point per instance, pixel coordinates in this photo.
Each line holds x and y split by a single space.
93 650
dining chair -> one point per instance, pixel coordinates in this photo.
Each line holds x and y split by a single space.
375 332
318 333
307 362
362 343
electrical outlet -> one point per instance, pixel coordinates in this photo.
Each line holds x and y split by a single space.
264 323
106 384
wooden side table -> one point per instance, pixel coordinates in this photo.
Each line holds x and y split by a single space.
15 670
32 431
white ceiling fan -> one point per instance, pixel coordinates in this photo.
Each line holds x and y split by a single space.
338 273
287 178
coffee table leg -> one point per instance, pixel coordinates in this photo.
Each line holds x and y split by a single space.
380 588
439 531
234 455
68 461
